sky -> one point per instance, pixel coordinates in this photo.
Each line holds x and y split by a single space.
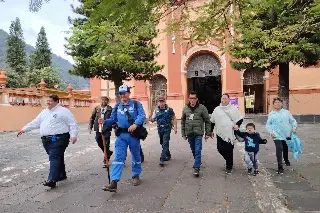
53 16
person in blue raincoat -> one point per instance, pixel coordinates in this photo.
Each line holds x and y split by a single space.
122 113
281 125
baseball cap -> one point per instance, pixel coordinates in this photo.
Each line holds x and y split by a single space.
123 89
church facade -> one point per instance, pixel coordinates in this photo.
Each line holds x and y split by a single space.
204 69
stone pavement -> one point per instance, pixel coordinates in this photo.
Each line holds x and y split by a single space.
24 165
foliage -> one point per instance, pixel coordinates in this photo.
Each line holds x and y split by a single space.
16 80
101 48
48 74
15 51
41 57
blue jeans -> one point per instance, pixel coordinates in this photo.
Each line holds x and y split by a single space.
164 141
196 148
56 150
122 142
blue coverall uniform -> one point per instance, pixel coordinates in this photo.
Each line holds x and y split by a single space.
124 140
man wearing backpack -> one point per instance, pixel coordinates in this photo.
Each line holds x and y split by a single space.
105 110
129 116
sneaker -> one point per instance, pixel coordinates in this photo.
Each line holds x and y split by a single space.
280 171
228 171
249 170
136 181
161 164
196 172
256 172
112 187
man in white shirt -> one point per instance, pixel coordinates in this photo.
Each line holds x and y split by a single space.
57 126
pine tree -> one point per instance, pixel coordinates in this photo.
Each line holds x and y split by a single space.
15 51
41 57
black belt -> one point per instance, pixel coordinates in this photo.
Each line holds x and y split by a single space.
123 130
58 135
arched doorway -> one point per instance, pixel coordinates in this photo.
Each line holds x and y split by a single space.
158 88
253 88
204 77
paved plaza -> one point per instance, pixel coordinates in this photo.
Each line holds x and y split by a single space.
24 166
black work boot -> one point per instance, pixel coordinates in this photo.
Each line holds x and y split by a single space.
112 187
196 172
50 183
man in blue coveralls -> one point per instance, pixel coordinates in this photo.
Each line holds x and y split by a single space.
166 120
124 112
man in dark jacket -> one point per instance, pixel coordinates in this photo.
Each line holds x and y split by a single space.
195 122
105 110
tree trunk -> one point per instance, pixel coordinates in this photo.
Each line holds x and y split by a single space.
283 90
117 84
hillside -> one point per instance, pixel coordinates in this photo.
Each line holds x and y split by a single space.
57 61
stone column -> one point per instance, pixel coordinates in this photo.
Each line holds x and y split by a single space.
42 86
4 96
70 96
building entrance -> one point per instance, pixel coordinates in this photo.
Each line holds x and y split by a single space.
204 77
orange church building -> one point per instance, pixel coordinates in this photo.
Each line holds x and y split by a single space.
204 69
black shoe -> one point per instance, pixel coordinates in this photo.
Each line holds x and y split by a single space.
196 172
249 170
228 171
255 172
50 183
161 163
287 163
280 171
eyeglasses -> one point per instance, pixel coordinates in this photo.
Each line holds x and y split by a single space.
192 98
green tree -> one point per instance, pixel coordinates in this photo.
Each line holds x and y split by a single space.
41 57
48 74
277 33
15 50
16 80
101 48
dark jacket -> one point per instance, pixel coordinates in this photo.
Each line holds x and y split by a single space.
252 141
195 121
94 117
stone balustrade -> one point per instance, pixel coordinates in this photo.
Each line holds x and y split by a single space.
37 97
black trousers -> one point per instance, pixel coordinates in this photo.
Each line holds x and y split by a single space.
281 148
226 150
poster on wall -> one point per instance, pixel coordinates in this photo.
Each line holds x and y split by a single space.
234 102
249 101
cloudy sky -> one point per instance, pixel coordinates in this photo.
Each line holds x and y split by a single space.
53 16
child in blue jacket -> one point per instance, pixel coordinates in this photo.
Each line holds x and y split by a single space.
252 140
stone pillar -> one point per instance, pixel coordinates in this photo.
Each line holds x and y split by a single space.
4 96
70 96
42 86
